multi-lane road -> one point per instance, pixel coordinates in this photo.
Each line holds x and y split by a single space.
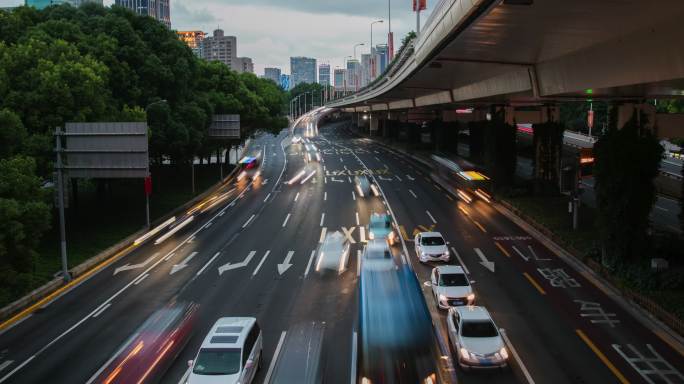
249 250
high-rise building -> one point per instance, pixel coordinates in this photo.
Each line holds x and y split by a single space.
381 60
366 69
324 74
40 4
244 64
285 81
158 9
302 70
220 47
193 39
353 75
339 77
272 74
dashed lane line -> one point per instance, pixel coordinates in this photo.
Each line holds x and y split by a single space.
267 380
502 249
534 283
458 257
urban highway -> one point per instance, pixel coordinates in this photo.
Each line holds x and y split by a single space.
249 249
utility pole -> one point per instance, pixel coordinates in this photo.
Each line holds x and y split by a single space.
60 197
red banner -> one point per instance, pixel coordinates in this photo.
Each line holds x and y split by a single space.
148 186
419 3
390 47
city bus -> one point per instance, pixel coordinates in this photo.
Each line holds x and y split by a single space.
467 184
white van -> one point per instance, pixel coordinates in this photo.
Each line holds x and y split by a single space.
231 353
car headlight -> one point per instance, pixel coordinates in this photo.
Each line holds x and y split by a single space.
371 235
446 253
504 353
471 297
442 298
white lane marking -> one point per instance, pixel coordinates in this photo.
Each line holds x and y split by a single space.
128 267
208 224
651 367
261 263
362 234
286 219
222 213
182 264
229 266
185 376
143 277
349 178
174 230
247 222
6 364
96 314
208 263
358 262
520 253
357 218
353 196
325 179
323 230
286 264
517 358
267 196
353 358
376 158
308 265
325 196
296 196
322 219
458 257
413 194
267 380
398 178
169 256
20 366
431 218
662 209
341 161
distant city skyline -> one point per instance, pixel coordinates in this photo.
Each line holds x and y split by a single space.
326 30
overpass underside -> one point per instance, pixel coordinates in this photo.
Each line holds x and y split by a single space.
473 52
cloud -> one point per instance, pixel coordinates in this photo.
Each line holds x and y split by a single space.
191 16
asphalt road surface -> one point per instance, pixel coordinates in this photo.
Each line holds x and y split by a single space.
249 248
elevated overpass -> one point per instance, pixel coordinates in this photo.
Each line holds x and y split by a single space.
533 52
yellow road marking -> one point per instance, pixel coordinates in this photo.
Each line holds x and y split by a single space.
62 289
502 249
403 232
603 357
534 283
463 210
423 228
480 226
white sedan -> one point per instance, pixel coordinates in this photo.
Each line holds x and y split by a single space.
476 338
430 246
451 287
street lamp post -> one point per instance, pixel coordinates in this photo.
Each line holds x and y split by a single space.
372 71
356 80
356 46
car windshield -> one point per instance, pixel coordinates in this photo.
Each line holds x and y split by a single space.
380 223
433 240
479 329
217 361
453 280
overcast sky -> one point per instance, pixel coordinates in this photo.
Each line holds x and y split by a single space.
270 31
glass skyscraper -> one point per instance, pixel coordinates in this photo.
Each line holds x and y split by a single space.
159 9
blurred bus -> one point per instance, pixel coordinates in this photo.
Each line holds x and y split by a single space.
467 184
396 342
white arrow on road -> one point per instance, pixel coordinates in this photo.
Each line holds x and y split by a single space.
182 264
243 263
285 265
385 178
128 267
334 179
483 260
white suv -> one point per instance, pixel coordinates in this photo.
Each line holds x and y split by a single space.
231 353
